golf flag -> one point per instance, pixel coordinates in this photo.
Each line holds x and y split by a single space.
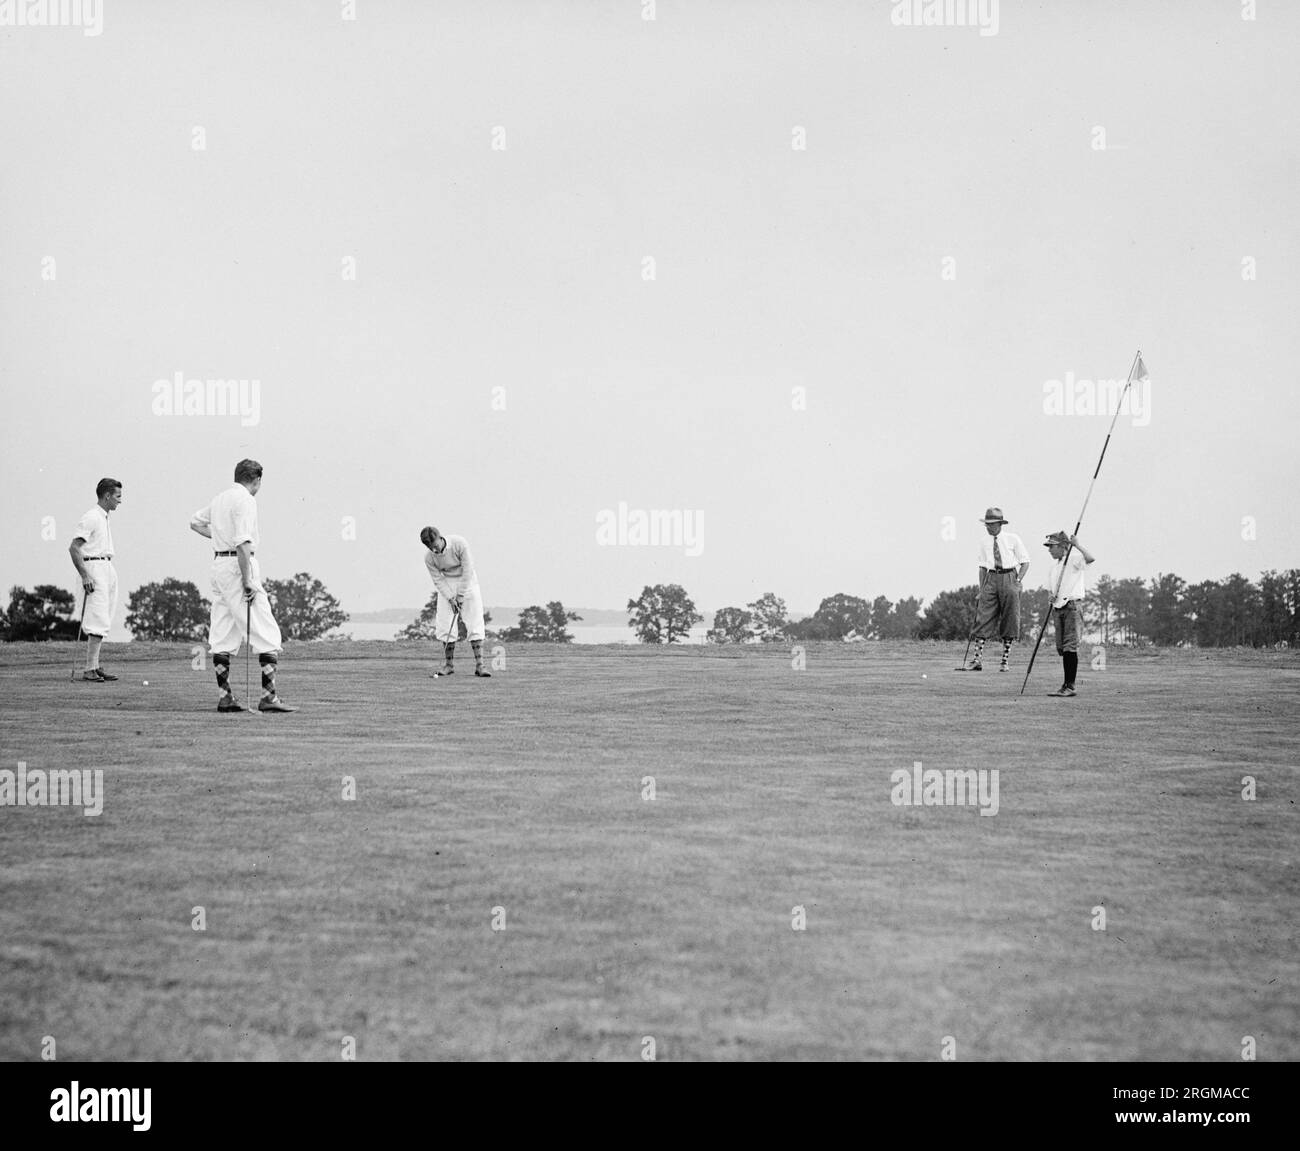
1140 372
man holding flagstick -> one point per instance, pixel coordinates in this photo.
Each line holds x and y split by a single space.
1067 578
1137 372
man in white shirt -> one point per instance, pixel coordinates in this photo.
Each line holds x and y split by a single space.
1003 563
240 607
1068 584
93 544
451 568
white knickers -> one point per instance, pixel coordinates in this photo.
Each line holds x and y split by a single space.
231 620
471 612
101 604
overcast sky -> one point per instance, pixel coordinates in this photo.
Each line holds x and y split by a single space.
775 267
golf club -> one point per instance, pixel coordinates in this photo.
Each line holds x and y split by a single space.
975 611
85 596
248 657
453 632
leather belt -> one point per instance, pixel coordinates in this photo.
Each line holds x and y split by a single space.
92 559
234 553
1003 571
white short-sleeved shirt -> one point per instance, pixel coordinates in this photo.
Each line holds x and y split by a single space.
1074 584
93 527
452 569
1010 545
232 519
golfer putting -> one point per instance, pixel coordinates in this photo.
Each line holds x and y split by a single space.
241 610
451 567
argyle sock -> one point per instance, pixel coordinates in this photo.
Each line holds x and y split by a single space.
450 650
979 649
268 661
221 663
477 645
1006 651
1071 660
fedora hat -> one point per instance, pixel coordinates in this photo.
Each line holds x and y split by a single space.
994 516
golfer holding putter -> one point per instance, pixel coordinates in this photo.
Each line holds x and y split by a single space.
241 610
451 568
1003 563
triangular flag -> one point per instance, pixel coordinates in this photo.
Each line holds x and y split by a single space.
1140 373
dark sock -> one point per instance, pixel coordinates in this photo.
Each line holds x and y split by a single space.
221 664
450 650
267 660
477 645
1071 659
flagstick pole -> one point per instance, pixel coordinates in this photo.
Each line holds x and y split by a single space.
1042 627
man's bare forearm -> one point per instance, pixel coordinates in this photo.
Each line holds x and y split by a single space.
74 550
243 553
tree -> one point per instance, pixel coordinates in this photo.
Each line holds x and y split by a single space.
45 613
542 625
810 628
422 626
841 614
1205 604
1241 604
906 619
880 609
303 608
1168 613
662 614
889 621
768 617
950 615
1035 607
171 610
731 625
1132 609
1098 605
1279 595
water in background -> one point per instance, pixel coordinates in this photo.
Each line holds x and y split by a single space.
580 632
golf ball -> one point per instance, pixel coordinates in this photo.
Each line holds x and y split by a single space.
146 683
924 676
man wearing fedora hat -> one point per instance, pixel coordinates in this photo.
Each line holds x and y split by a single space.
1067 582
1003 563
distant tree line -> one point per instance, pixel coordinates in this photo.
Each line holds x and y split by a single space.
171 610
1165 610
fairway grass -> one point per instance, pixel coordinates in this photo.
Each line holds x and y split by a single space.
668 918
